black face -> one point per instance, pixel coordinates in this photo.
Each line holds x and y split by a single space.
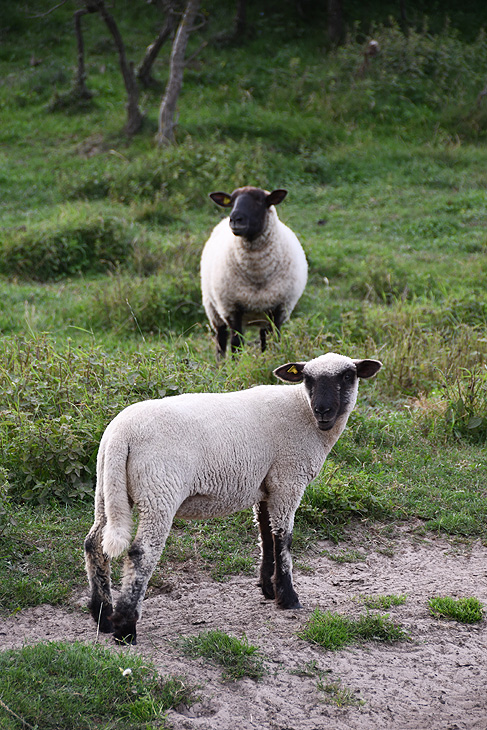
249 209
330 396
249 213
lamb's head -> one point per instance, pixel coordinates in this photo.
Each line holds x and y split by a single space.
249 209
331 384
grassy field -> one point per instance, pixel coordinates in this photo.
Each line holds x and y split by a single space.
100 238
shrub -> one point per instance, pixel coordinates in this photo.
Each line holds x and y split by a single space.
79 242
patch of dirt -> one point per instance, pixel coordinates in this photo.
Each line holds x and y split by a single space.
435 681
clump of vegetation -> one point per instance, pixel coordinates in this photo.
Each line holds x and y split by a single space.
80 686
77 242
237 656
333 631
382 603
464 610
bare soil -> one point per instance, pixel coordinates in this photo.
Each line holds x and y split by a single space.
434 681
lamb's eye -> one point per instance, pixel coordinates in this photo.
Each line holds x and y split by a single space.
348 377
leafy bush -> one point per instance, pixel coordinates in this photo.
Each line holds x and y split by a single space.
466 413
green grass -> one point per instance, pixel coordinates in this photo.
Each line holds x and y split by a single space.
382 603
333 631
78 686
464 610
237 657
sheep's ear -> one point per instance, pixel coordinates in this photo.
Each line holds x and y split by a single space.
292 372
223 199
276 197
367 368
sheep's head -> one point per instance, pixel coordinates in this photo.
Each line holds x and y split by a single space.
249 206
330 382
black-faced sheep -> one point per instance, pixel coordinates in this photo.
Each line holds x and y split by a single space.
203 455
253 268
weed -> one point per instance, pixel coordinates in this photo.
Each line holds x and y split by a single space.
345 556
382 603
237 656
334 693
464 610
333 631
74 685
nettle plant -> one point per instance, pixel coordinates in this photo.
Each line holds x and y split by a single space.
466 414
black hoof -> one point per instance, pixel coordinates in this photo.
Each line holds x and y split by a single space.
124 631
101 613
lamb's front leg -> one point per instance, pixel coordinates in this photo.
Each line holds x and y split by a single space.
267 547
286 596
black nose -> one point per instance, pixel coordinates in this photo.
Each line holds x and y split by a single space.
237 219
323 411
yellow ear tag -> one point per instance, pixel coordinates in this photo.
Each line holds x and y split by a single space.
227 200
293 369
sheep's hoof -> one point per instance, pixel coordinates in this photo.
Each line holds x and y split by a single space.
101 613
267 589
125 635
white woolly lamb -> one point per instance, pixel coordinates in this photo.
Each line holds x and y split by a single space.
203 455
253 268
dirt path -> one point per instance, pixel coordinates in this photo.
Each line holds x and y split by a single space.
436 681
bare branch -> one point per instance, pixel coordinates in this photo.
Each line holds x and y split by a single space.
48 12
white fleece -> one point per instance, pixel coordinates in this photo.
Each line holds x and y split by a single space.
203 455
254 276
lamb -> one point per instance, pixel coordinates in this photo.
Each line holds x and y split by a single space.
253 268
203 455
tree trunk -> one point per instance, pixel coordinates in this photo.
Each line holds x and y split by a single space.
80 88
167 110
134 115
240 22
336 28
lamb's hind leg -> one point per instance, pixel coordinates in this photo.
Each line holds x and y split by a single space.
141 559
98 570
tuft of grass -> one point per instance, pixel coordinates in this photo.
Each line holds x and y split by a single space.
65 685
237 657
464 610
333 631
335 693
382 603
345 556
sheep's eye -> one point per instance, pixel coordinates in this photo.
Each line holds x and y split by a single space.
348 377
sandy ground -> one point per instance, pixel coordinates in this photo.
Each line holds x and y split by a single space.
435 681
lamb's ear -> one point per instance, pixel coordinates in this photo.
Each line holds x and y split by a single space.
292 372
223 199
367 368
276 197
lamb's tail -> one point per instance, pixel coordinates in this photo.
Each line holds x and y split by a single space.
112 482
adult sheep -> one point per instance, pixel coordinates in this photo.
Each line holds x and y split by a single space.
203 455
253 268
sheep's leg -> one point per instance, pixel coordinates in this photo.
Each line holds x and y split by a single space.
267 545
98 570
277 317
237 340
221 340
286 596
141 559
